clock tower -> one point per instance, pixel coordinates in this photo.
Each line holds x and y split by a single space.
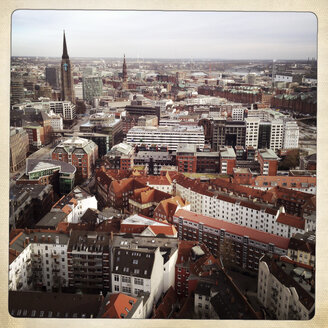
67 83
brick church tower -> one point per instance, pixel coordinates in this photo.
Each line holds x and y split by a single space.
67 83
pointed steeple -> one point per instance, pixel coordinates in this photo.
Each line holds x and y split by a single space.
124 71
65 54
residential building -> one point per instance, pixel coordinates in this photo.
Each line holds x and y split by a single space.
239 245
81 153
89 250
144 200
75 204
38 259
285 289
301 248
186 159
121 306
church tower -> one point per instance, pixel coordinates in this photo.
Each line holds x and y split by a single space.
67 83
124 71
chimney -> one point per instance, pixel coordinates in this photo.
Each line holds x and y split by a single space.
57 239
35 238
27 239
43 238
49 238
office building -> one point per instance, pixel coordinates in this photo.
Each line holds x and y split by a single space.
52 77
252 131
166 136
19 146
92 88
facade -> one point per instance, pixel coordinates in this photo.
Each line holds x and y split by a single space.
264 134
38 259
291 135
52 77
64 108
277 135
238 113
252 131
92 87
56 121
220 202
286 289
79 152
91 251
239 245
19 146
227 160
67 82
186 159
301 248
166 135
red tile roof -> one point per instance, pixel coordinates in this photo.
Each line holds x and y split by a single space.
117 305
291 220
260 236
165 308
168 230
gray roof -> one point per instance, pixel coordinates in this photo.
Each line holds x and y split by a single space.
33 190
51 220
43 164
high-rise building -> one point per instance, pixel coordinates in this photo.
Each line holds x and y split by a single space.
19 145
92 87
264 134
291 135
276 137
67 83
17 90
252 131
52 77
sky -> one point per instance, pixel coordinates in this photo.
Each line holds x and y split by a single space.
163 34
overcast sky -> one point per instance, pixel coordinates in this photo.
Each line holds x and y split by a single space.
155 34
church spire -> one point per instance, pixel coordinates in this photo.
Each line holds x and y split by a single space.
124 71
65 54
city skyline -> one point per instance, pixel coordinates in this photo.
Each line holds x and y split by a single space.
153 34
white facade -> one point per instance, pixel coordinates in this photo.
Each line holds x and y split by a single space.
56 121
283 301
277 133
234 212
45 257
291 135
65 108
132 285
166 135
283 78
252 131
238 113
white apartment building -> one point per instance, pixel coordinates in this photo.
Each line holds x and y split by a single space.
56 121
252 131
136 271
65 108
238 113
237 210
289 297
171 136
75 204
291 135
277 134
38 259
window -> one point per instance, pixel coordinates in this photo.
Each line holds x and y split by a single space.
117 288
138 281
116 277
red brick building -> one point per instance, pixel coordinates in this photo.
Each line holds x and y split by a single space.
81 153
268 161
227 160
